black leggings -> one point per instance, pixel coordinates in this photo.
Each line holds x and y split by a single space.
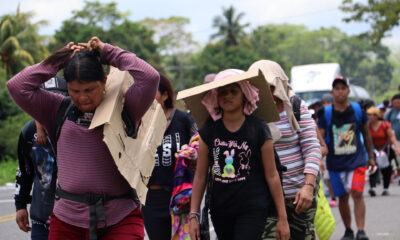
156 216
386 174
248 225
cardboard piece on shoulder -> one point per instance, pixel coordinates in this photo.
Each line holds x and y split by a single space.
266 109
133 157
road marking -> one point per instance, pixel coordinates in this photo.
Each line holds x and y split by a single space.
7 201
382 234
7 218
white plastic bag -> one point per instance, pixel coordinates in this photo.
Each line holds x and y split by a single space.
382 159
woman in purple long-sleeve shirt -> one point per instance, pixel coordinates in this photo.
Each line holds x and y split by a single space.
85 165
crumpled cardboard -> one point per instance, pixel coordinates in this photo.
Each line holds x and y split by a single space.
266 109
133 157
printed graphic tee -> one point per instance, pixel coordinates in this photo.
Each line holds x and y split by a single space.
345 147
238 174
37 166
178 133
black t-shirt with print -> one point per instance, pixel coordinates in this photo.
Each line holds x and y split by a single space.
178 133
238 184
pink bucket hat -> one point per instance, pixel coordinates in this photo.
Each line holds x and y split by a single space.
210 100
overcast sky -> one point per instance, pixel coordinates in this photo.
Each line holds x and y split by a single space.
312 13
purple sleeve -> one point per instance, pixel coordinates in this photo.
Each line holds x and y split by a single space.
40 104
141 94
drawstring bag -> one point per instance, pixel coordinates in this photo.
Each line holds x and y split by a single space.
324 220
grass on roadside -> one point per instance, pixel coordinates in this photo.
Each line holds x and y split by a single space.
8 169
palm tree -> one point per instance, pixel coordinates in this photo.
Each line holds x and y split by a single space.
230 30
20 44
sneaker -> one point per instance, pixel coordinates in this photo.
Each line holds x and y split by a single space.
385 193
333 203
372 192
348 235
361 235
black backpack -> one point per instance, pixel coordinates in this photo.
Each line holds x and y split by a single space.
296 106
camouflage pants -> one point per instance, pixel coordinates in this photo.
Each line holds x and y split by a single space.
301 225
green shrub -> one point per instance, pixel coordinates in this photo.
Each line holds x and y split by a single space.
8 168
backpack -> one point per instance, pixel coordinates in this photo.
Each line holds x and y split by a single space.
296 106
389 114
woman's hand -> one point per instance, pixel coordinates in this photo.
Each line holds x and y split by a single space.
194 229
94 44
74 48
324 150
303 198
282 229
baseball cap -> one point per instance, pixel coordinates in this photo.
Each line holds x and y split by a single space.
57 85
340 79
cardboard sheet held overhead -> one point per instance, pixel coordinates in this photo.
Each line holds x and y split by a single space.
265 107
133 157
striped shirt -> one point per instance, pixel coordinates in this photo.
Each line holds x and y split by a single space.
298 151
85 164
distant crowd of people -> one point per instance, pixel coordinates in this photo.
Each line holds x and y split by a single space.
259 179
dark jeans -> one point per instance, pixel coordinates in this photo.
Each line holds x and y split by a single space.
39 232
157 218
248 225
386 174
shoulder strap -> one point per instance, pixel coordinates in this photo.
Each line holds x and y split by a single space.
357 110
296 105
62 113
130 127
328 120
384 125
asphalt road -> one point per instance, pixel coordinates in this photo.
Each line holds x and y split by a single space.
383 216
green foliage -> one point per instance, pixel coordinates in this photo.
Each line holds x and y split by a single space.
20 43
230 30
20 46
102 15
395 62
175 45
136 38
216 57
110 25
292 45
382 15
9 132
7 105
8 169
73 31
267 42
